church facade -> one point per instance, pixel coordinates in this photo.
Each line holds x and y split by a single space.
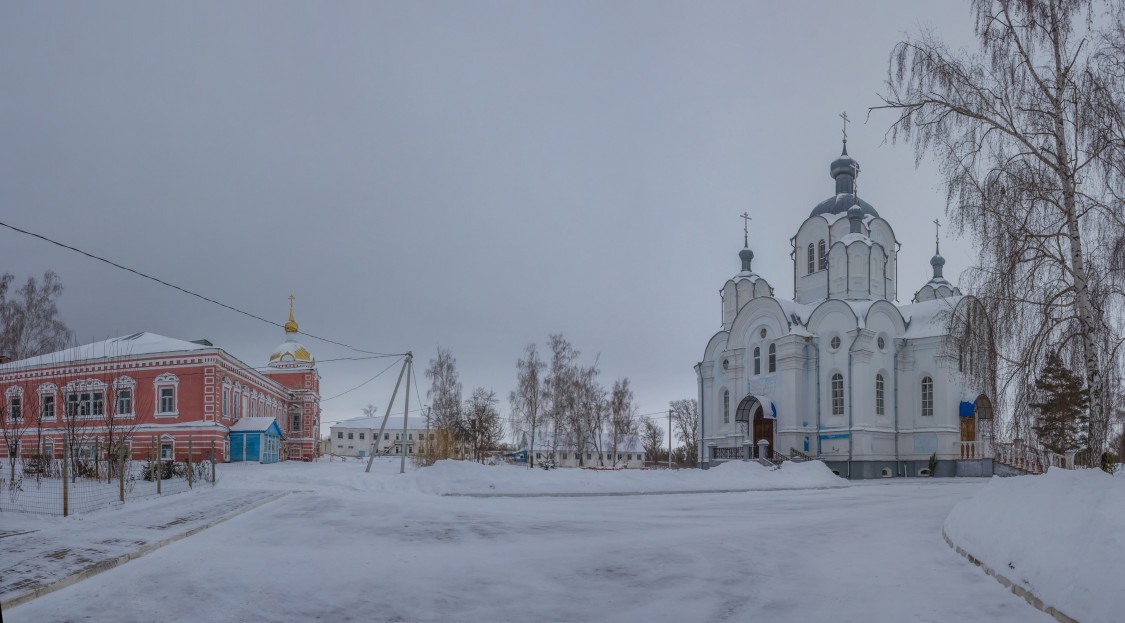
842 371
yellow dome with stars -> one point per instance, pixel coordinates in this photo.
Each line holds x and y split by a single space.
291 353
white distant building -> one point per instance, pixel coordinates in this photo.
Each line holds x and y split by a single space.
357 436
844 371
564 453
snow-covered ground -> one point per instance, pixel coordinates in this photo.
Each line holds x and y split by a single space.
383 547
1060 535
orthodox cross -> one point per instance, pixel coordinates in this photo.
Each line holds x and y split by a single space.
937 236
746 229
291 299
844 116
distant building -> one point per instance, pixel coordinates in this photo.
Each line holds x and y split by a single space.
357 436
166 394
565 453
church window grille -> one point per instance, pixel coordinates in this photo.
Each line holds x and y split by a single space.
880 409
726 406
812 259
822 251
837 394
757 360
834 342
773 358
927 396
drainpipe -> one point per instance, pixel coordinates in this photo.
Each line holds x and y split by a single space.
816 350
851 433
793 254
894 362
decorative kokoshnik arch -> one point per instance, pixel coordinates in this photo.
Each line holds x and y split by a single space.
760 415
750 406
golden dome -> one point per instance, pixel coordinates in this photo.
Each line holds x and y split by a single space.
291 326
291 353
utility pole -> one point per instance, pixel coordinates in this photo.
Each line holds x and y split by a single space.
669 439
405 413
387 413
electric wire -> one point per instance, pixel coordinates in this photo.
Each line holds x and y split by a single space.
181 289
324 400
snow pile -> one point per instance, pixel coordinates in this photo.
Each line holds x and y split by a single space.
1060 535
457 477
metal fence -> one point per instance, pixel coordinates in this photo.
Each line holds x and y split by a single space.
61 487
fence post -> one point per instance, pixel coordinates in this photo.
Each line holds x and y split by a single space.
212 462
121 472
157 465
65 473
190 471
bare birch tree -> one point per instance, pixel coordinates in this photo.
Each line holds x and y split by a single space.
29 322
652 440
444 395
685 418
558 386
527 398
482 421
1027 136
622 416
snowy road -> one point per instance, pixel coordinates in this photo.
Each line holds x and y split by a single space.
872 552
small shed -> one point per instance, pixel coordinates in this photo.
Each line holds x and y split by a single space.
255 439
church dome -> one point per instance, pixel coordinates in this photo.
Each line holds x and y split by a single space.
291 353
844 170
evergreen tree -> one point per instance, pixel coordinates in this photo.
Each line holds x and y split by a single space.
1063 418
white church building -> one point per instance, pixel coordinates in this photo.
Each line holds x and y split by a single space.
843 372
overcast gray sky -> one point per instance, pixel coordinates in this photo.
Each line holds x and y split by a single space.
474 175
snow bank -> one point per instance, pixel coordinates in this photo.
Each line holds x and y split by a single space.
464 477
455 477
1060 535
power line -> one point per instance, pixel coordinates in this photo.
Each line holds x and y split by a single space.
184 290
324 400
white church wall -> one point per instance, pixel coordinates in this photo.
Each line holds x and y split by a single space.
859 276
838 271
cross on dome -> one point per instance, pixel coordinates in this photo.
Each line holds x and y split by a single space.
291 326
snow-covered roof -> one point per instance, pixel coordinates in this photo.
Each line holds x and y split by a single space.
414 422
546 441
848 239
253 424
143 343
929 318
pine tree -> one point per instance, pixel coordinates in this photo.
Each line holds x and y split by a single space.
1063 418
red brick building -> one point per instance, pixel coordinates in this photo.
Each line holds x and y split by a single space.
156 393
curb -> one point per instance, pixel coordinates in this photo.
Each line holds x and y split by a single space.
106 565
629 493
1028 596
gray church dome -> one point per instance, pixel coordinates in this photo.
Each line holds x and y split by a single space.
844 170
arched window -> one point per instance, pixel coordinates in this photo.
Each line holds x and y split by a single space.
773 358
757 360
837 394
812 259
879 408
726 406
927 396
823 251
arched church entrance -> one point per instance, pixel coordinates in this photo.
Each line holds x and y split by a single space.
976 427
758 426
983 411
